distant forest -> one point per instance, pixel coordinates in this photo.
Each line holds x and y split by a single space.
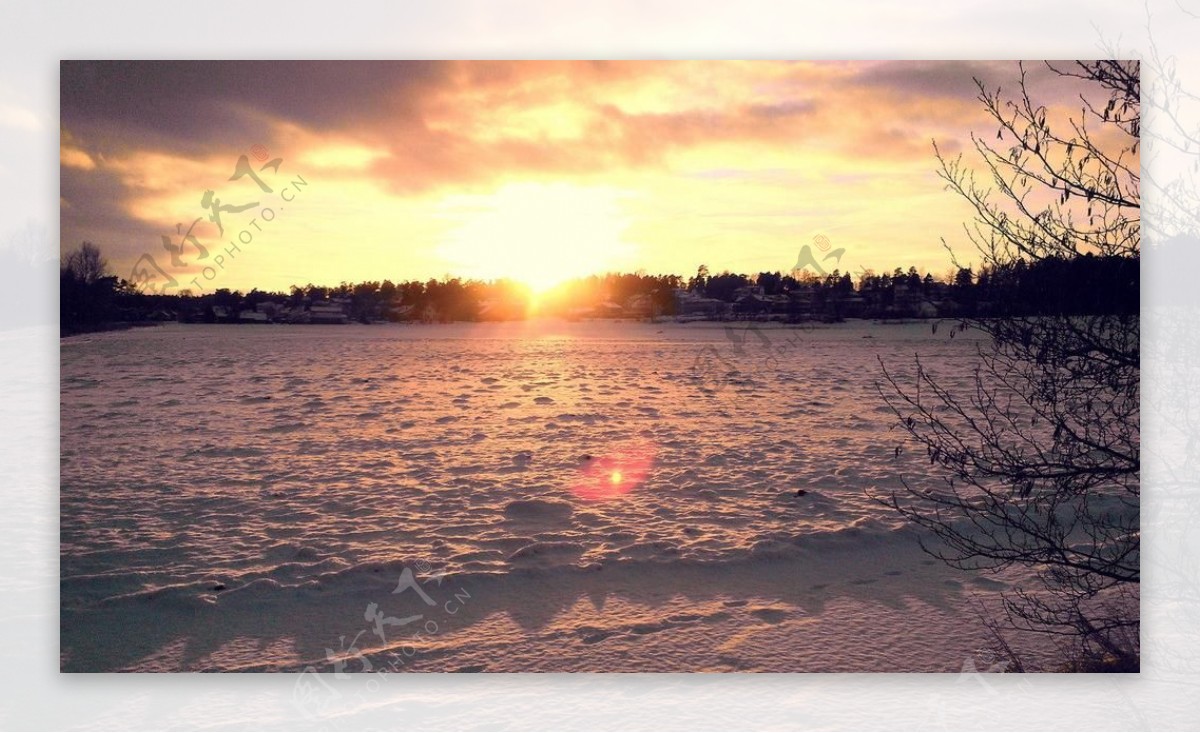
92 299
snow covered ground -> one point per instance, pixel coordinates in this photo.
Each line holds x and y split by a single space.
538 496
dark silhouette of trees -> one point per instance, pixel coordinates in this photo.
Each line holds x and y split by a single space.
1039 457
772 283
86 290
723 286
85 265
1048 286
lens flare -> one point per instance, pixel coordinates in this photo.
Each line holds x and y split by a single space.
614 474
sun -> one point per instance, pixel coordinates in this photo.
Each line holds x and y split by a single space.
536 234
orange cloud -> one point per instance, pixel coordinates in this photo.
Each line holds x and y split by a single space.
730 163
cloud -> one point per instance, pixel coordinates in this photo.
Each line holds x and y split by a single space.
143 140
188 104
934 79
76 158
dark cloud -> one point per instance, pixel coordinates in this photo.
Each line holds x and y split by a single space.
92 209
185 106
955 79
789 109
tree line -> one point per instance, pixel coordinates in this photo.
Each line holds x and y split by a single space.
91 298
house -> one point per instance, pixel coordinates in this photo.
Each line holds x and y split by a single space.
252 316
608 309
748 290
641 306
854 306
906 300
779 306
270 309
328 311
692 306
801 301
404 312
751 304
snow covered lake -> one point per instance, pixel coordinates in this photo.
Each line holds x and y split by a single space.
537 496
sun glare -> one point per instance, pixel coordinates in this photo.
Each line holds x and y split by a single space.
615 474
536 234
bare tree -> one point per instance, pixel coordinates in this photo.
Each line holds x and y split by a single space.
1038 452
86 264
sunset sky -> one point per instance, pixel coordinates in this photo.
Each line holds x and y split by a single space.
537 171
